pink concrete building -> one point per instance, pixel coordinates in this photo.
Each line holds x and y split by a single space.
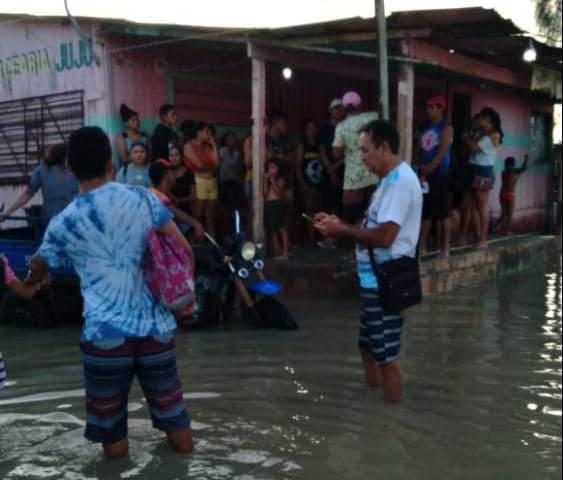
54 78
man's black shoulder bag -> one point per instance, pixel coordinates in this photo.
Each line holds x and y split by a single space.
399 282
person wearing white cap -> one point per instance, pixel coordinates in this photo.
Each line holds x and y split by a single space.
359 182
337 115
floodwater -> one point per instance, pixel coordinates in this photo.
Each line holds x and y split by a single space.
483 397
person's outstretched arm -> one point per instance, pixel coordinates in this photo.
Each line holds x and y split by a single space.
381 236
186 219
13 283
524 166
23 198
23 290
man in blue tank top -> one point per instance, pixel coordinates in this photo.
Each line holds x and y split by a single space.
434 165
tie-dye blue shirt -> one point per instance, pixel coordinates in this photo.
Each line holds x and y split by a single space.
103 234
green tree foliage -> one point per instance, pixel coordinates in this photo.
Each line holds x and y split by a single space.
548 15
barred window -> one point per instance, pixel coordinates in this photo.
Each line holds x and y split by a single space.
30 126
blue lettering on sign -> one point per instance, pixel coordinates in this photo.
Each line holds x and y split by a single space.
68 60
71 56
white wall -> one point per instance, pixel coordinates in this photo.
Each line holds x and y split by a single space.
35 60
42 58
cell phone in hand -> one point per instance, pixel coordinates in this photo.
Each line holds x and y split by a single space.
308 218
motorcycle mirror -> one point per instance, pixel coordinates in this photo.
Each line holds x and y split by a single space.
237 221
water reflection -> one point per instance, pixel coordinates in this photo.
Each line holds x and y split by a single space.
483 398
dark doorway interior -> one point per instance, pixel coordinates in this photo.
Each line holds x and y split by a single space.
461 119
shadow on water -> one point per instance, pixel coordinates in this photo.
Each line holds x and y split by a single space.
483 397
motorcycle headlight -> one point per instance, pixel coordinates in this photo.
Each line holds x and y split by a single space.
259 265
243 273
248 251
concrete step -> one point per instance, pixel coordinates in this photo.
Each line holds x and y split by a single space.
333 273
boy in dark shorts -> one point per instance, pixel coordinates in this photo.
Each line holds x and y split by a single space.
510 177
275 215
126 331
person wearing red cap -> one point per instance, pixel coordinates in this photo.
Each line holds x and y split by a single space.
434 165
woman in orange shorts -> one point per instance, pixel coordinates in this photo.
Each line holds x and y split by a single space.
201 153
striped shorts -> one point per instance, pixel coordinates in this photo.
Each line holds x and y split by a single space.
2 372
109 368
380 332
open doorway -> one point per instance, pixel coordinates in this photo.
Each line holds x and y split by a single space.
461 119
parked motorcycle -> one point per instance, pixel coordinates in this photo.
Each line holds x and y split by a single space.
230 276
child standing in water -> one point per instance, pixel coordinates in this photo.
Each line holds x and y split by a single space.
8 280
510 177
275 212
136 172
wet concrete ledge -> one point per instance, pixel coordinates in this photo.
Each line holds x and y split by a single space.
332 273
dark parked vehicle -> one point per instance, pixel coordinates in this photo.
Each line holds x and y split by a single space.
229 280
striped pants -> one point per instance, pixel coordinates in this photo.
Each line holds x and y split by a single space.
109 368
380 332
2 372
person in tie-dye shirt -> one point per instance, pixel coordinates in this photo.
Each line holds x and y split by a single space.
126 332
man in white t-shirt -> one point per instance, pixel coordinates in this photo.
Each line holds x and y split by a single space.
391 228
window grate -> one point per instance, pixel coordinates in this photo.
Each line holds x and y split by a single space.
30 126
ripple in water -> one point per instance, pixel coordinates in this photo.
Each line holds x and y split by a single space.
483 398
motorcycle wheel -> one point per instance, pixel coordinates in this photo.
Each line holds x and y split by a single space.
32 313
275 314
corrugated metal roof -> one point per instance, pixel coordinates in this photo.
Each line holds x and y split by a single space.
476 32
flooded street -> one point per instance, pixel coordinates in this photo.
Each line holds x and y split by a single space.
483 397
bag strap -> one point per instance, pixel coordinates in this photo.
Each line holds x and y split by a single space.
372 261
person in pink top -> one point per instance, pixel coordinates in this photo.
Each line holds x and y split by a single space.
8 280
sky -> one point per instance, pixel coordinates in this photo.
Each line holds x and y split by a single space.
254 13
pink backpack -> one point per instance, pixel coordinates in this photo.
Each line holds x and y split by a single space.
169 271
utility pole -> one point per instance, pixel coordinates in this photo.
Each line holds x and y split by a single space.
258 142
383 67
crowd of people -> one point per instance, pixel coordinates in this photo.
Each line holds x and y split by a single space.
462 183
319 168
